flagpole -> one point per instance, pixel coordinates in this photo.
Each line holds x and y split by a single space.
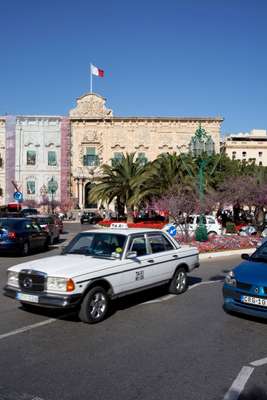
91 79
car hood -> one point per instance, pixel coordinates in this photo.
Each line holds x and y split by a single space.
252 272
69 265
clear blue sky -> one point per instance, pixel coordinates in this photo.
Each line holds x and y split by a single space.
161 58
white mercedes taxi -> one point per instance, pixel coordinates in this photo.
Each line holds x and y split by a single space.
100 265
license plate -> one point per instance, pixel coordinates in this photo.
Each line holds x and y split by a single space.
254 300
27 297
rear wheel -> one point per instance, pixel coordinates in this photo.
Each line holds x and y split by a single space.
95 306
179 282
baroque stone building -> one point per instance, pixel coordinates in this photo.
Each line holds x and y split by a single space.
71 150
98 137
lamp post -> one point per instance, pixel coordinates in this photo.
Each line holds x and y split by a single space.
201 144
52 188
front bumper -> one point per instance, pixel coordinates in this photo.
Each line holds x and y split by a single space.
233 303
56 301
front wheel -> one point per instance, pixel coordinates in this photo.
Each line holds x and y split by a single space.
95 306
179 282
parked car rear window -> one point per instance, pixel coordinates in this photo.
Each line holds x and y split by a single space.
10 224
45 220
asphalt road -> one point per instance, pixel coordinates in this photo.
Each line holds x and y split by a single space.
154 346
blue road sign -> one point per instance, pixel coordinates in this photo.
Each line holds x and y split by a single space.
18 196
171 229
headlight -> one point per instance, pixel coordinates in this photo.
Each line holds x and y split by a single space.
60 284
13 278
230 279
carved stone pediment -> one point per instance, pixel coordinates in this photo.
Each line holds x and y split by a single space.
91 105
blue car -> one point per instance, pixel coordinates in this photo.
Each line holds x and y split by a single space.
21 235
245 287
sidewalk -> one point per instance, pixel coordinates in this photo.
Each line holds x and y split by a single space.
227 253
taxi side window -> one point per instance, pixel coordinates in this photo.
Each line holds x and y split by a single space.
138 244
159 243
168 245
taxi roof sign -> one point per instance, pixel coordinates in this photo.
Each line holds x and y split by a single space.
119 225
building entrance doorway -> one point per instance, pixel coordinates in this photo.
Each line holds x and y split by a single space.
87 203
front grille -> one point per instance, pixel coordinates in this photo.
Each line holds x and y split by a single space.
32 281
244 286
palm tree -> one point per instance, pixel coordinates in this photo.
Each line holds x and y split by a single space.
120 182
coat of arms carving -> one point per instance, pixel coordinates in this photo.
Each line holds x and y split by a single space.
91 106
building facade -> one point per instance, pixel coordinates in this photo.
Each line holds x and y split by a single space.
98 137
70 150
35 150
250 146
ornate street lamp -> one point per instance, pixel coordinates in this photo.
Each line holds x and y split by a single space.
52 188
200 145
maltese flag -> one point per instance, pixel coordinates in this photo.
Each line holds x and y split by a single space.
96 71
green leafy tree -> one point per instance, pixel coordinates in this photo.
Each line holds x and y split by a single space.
121 182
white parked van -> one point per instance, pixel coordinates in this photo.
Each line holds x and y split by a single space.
211 222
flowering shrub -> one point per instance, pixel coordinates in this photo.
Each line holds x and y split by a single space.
220 243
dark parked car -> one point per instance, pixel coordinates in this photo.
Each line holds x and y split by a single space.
90 218
49 223
28 211
21 235
59 222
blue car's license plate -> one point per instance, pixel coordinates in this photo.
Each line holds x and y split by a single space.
257 301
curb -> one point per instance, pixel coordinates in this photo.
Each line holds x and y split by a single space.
207 256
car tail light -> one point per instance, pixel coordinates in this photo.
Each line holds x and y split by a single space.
12 235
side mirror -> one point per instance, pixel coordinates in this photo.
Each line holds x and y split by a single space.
131 254
245 256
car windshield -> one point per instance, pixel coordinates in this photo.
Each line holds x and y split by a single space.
96 244
260 254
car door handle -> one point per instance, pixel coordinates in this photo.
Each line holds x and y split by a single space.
175 256
150 261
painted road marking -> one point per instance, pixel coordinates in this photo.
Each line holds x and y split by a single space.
259 363
27 328
239 383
